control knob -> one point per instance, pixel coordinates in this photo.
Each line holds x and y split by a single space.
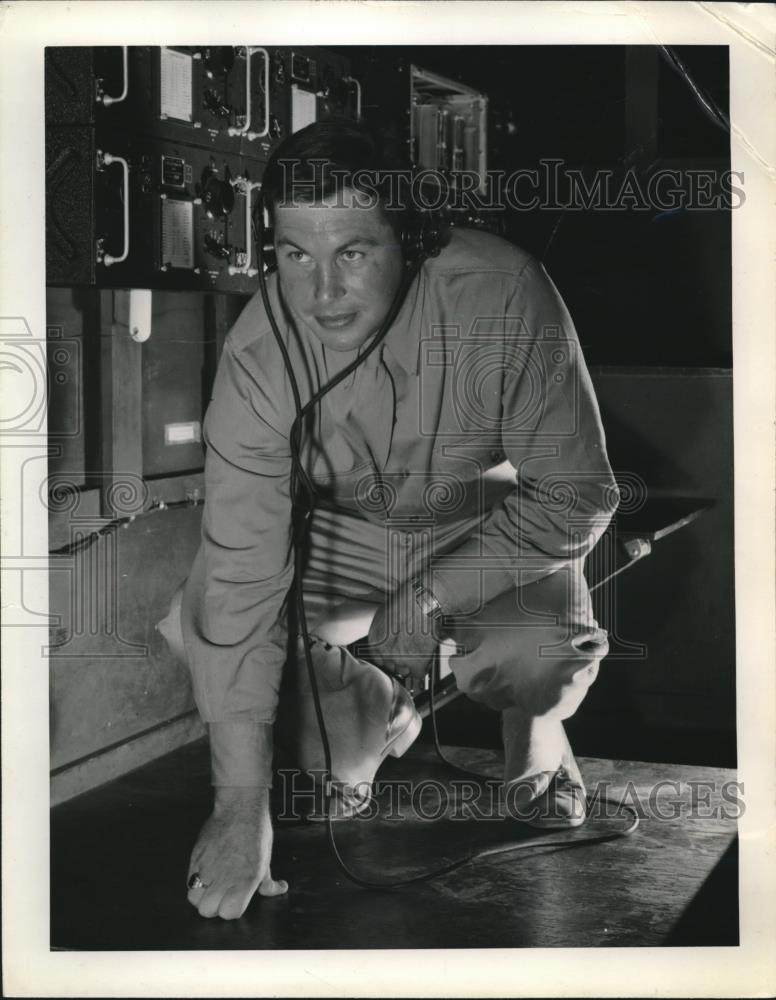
215 248
217 195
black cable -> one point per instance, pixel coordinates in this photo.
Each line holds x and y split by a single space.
300 527
299 535
480 852
88 540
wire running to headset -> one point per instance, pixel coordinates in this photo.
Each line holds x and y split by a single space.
303 499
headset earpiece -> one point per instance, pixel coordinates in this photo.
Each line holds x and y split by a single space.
422 236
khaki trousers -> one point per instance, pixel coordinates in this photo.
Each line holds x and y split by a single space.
531 653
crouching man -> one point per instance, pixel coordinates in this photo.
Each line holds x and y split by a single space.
461 476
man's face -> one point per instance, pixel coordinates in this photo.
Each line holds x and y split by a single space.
340 266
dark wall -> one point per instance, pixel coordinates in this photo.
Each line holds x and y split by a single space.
645 285
674 429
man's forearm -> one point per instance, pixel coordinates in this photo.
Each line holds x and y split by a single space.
461 585
241 754
502 556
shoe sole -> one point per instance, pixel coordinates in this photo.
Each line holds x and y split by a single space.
556 824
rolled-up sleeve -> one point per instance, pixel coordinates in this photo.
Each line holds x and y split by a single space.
234 627
565 493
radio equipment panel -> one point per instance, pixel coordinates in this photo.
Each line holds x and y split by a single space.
126 211
154 156
449 120
233 98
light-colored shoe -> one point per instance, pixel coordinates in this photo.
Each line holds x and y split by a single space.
554 798
368 715
563 804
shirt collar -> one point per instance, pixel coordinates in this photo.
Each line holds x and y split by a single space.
403 338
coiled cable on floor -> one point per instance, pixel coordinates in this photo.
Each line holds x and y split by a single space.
303 497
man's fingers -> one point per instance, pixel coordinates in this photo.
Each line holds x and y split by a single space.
235 900
195 895
211 900
269 887
231 902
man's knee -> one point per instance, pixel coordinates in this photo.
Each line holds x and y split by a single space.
570 669
543 670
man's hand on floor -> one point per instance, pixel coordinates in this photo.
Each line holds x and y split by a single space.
232 854
400 639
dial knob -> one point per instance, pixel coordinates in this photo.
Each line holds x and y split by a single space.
217 195
215 248
214 103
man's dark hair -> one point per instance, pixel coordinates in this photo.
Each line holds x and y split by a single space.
327 157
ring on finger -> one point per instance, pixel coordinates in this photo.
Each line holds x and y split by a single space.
195 882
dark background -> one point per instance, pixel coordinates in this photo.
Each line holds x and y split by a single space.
645 287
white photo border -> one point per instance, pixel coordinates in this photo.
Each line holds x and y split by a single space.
30 968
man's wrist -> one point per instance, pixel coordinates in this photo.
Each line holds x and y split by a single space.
241 754
227 799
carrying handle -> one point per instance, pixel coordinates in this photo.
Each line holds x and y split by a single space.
244 130
107 159
105 99
247 188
